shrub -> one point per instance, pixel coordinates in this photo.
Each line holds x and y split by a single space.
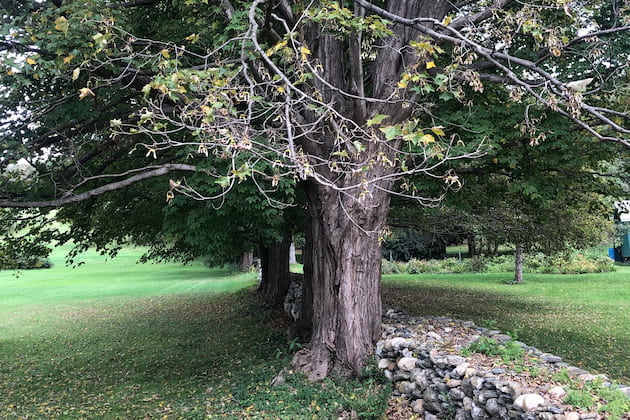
574 263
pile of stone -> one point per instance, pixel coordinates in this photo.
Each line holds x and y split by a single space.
420 355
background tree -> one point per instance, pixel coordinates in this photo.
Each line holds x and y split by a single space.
337 95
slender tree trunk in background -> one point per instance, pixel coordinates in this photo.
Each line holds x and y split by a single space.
246 261
274 265
472 249
518 264
342 274
292 257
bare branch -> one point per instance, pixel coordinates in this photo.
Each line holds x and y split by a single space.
113 186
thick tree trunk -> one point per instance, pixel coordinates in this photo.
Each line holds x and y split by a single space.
342 271
274 265
518 264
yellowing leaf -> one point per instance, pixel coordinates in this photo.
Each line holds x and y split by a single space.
304 52
68 59
193 38
165 53
447 20
10 73
84 92
427 138
438 130
281 89
30 61
61 24
75 73
430 65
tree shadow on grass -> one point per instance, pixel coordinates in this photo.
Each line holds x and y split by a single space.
147 359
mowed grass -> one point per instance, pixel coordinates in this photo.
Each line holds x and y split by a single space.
118 340
583 318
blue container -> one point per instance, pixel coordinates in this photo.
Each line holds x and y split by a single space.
611 253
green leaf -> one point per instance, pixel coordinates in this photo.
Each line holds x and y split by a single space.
378 119
392 131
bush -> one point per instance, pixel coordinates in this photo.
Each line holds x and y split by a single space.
574 263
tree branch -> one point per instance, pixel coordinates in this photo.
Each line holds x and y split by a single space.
113 186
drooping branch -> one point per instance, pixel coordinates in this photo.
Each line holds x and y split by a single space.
149 172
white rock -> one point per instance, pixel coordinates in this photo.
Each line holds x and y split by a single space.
382 364
460 370
557 392
407 363
529 402
572 416
398 342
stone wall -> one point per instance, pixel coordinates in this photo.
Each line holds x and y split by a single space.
421 357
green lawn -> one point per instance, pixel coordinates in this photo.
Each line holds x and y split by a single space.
583 318
118 340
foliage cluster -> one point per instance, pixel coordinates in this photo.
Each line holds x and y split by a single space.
595 395
508 351
573 263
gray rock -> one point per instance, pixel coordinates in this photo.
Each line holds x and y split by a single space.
432 407
492 406
576 371
455 360
457 394
401 375
417 406
552 359
454 383
435 336
462 414
502 338
429 416
467 387
406 387
554 410
487 395
478 413
407 363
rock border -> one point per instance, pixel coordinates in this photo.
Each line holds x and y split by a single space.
420 356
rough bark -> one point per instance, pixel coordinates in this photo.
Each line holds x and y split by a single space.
274 265
518 264
342 275
341 312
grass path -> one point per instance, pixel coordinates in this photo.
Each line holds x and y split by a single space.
583 318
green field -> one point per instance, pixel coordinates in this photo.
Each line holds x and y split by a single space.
584 318
118 340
